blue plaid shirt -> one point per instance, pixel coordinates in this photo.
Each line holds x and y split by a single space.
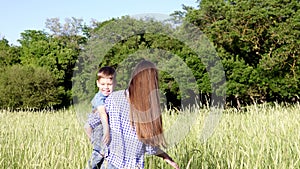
125 150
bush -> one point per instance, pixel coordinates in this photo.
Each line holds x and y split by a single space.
28 87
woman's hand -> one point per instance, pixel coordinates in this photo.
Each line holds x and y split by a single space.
172 163
167 158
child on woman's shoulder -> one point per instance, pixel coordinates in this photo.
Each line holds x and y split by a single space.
97 127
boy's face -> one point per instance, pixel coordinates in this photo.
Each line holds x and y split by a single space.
105 86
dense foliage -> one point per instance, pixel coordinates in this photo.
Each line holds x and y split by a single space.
257 41
42 78
121 43
24 86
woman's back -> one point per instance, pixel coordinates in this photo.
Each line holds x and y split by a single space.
125 150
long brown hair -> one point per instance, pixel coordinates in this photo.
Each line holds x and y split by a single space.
145 112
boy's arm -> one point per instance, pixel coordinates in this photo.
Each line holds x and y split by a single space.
104 120
167 158
88 130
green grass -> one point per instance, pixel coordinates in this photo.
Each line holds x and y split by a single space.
260 137
42 140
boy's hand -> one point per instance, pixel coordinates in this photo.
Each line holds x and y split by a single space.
106 138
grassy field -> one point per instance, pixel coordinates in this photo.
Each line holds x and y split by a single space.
259 137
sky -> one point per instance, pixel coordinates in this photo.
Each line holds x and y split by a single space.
16 16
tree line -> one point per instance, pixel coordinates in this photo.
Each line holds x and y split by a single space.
257 43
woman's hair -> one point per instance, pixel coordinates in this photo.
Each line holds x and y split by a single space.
145 112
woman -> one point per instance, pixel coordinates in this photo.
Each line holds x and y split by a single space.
135 121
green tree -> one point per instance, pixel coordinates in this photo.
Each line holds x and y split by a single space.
56 51
258 42
121 43
9 55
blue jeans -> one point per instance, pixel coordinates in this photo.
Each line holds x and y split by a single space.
97 156
109 166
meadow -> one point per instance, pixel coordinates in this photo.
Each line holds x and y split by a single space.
259 136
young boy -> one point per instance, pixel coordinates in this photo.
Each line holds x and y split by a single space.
97 127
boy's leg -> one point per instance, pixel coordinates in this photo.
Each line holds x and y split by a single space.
100 163
107 165
97 160
110 166
98 152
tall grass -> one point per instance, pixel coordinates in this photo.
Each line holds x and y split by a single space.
42 140
259 137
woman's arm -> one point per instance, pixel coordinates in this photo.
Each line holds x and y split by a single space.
167 158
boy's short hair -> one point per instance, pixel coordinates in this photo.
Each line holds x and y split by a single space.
106 72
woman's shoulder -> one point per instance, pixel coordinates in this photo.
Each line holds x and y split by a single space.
119 94
116 100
